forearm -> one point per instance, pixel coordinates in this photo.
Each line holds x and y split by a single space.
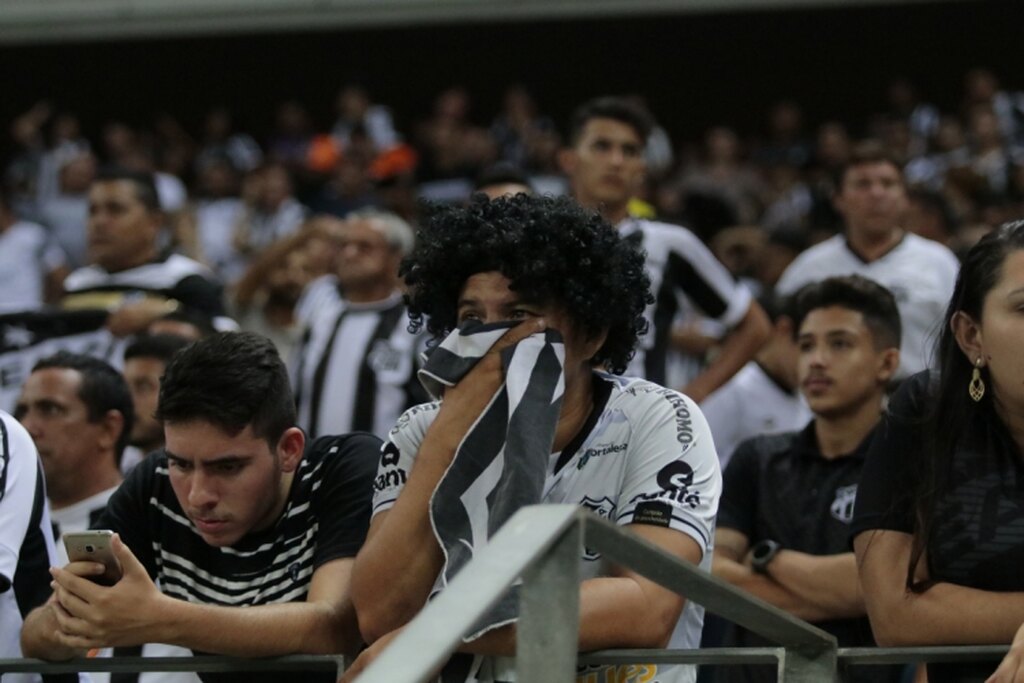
947 614
397 567
829 582
39 636
256 631
766 588
742 343
615 612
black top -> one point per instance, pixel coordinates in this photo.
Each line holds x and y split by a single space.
978 533
780 487
325 518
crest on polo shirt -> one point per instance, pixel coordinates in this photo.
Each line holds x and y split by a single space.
842 505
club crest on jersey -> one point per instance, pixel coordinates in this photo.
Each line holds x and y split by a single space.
842 506
602 507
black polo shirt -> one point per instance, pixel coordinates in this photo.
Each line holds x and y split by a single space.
780 487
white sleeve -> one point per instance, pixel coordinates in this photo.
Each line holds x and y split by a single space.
708 284
673 478
19 473
399 452
723 412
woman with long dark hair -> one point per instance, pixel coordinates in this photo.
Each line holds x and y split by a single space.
939 525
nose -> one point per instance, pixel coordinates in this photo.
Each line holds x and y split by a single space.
202 494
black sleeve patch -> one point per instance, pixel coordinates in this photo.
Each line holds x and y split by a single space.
653 513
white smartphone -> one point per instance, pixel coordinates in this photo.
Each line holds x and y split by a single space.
94 546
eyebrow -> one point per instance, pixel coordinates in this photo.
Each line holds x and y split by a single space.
223 460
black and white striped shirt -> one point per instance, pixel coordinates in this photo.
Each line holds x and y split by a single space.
325 518
679 263
356 368
26 539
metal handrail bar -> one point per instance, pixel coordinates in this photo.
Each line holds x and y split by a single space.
740 607
530 539
197 663
853 656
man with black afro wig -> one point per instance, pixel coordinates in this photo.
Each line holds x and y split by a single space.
628 449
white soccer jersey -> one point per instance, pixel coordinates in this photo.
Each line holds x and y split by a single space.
677 262
645 456
920 274
751 404
26 538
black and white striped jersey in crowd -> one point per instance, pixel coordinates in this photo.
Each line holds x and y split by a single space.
356 367
679 263
26 539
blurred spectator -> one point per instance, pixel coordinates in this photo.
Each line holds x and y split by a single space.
502 179
982 87
356 112
872 198
356 369
79 413
65 212
788 198
221 143
605 165
271 212
723 173
763 397
265 298
452 149
348 189
128 276
519 128
785 145
289 143
989 153
144 362
781 248
217 210
921 118
32 266
929 215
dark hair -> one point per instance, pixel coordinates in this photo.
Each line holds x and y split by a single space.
866 152
616 108
502 173
102 389
777 306
873 301
953 414
143 183
159 346
936 204
551 250
232 380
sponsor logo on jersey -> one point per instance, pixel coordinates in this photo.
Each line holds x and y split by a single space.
684 421
598 451
842 506
384 357
602 507
393 476
674 482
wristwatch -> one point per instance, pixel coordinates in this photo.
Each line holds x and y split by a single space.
762 553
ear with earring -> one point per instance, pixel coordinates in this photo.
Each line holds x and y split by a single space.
976 387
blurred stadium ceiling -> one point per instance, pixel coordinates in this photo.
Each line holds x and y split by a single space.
51 21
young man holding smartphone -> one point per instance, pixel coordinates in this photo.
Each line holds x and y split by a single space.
236 539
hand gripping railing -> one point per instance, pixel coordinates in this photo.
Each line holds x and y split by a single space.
543 544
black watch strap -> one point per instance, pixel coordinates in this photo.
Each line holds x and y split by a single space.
762 554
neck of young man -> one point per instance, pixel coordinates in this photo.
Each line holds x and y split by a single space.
839 434
872 245
81 488
577 404
613 213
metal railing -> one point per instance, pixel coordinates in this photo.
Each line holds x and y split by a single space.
542 545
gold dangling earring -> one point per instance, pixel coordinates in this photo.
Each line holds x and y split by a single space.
976 388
